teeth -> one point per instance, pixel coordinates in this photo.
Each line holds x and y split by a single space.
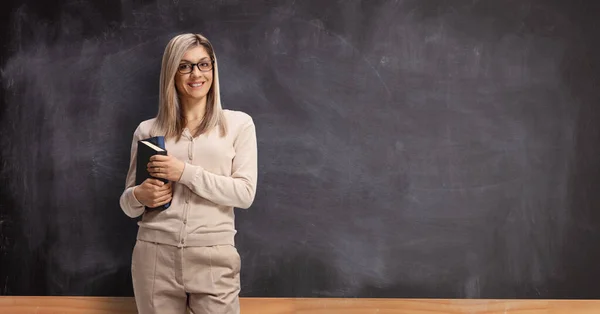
196 85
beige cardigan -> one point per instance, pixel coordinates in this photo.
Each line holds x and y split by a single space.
220 173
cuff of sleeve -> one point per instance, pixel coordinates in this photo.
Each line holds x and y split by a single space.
189 175
133 200
130 205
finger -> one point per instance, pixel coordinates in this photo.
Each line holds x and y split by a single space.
153 171
149 183
163 200
161 204
163 197
156 169
159 175
162 192
159 158
170 199
156 164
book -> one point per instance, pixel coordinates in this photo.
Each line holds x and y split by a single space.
146 149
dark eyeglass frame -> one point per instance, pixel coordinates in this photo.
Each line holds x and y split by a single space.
196 65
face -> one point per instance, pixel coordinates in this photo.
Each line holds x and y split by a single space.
196 84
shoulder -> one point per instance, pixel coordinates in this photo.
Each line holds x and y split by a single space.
144 128
240 125
237 119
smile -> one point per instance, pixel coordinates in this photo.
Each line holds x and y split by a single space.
195 85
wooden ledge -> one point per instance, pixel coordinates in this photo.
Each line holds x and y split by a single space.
115 305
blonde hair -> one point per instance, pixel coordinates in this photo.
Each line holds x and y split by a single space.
170 120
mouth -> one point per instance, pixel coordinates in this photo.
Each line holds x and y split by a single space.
196 84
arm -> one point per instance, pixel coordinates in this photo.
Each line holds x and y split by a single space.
237 190
129 204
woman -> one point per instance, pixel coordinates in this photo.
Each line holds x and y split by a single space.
185 255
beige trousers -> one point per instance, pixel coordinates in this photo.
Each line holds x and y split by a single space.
172 280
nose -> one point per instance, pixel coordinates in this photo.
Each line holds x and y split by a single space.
196 70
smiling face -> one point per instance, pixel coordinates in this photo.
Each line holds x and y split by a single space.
195 85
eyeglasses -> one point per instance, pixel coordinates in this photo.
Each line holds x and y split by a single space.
187 68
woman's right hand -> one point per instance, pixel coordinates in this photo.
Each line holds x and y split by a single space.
153 193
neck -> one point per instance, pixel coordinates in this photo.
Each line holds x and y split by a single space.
193 110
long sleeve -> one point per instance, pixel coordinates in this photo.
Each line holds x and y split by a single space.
129 204
237 190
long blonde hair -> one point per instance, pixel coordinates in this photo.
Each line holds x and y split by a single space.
170 121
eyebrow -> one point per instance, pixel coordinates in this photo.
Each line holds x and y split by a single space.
203 59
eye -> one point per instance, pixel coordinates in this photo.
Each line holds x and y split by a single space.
185 67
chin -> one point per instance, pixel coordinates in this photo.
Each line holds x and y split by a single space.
197 94
195 97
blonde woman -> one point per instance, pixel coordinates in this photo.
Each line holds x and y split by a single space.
185 256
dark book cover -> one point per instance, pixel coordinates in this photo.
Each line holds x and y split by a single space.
146 149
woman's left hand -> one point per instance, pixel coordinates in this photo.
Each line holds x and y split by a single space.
166 167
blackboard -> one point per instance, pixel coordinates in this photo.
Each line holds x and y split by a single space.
406 148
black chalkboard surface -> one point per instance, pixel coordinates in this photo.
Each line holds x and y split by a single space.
406 148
